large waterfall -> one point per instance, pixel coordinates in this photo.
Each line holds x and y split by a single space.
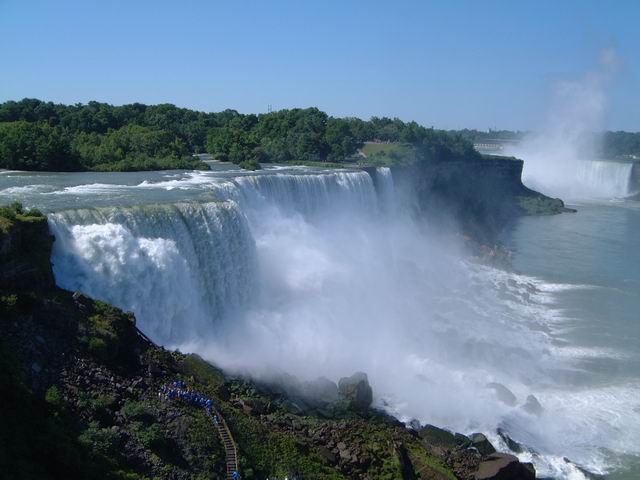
178 267
606 179
317 273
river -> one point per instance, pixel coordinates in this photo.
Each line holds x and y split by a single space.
319 272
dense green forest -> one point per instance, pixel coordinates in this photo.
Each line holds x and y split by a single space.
37 135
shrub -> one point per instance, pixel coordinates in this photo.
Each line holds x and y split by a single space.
53 396
250 165
134 410
151 437
98 347
101 440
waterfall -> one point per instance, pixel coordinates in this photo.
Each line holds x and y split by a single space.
183 268
310 194
178 267
606 179
386 189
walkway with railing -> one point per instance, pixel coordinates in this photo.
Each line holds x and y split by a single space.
179 391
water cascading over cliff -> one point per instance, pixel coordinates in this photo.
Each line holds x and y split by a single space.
606 179
319 274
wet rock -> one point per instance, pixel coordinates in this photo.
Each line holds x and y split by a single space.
505 395
406 466
438 437
532 406
223 392
462 440
502 466
321 389
589 475
327 455
481 443
357 390
511 443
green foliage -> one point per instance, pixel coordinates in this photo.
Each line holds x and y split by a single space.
134 410
14 211
202 371
621 144
36 135
541 205
109 334
250 165
35 146
103 441
150 436
8 303
98 347
53 396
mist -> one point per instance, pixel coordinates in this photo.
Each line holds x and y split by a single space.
559 154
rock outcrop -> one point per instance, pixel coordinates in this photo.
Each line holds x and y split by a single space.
356 390
502 466
482 196
25 249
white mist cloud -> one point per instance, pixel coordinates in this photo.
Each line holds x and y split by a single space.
556 154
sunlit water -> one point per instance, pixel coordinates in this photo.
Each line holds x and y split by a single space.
322 273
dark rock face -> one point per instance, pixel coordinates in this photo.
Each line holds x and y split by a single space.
532 406
482 444
322 389
501 466
357 390
511 443
504 394
438 437
482 196
25 247
406 467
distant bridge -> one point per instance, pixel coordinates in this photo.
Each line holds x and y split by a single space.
494 145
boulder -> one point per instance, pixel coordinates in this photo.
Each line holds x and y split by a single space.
356 390
321 390
532 406
511 443
505 395
327 455
501 466
438 437
481 443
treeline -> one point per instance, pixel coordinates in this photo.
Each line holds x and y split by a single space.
310 135
37 135
621 144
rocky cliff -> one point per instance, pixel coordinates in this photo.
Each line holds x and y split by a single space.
482 196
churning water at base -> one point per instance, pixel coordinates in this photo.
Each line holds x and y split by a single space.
312 273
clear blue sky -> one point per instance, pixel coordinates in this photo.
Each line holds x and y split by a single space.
449 64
